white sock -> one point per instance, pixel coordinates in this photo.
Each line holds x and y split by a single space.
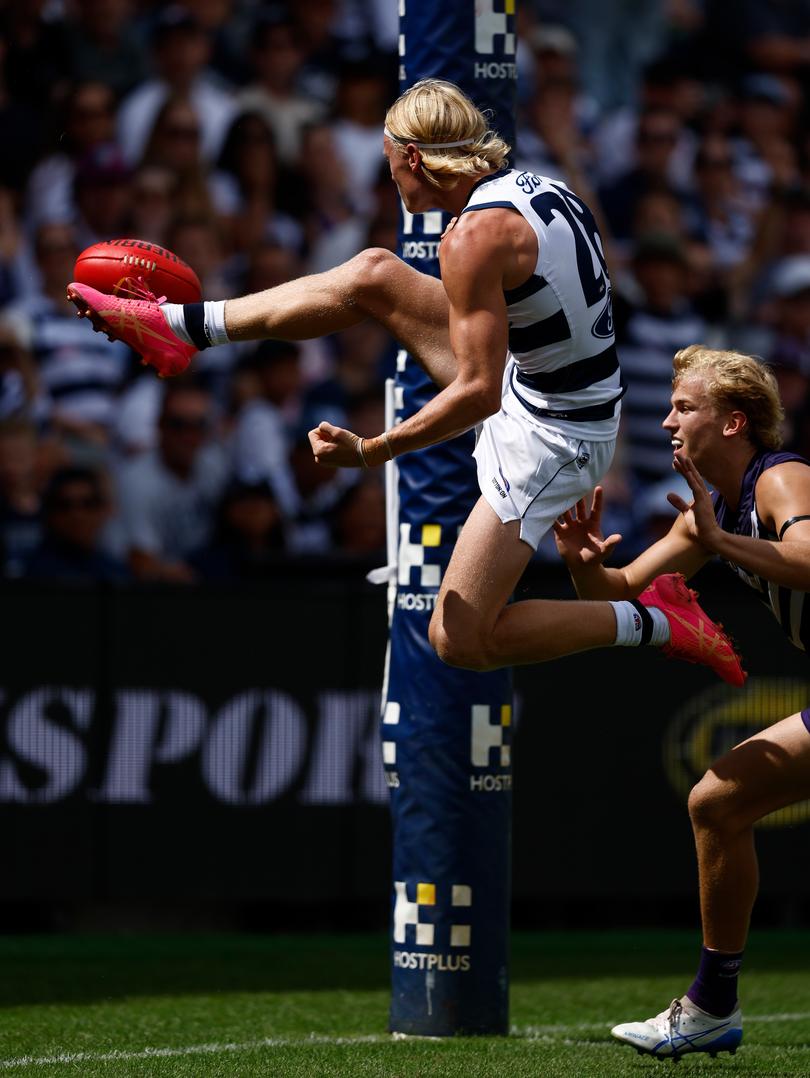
630 625
173 313
214 319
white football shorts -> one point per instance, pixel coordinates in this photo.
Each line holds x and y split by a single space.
532 472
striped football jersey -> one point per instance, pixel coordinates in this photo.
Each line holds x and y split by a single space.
788 605
560 320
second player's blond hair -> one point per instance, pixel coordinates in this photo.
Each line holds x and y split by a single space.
435 111
740 382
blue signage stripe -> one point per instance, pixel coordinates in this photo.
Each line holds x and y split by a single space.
534 284
550 330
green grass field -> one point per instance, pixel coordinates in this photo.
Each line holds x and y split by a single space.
206 1006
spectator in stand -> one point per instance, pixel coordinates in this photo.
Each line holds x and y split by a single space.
197 239
325 205
556 120
261 437
181 50
359 519
168 497
315 24
19 386
88 121
248 169
276 58
363 91
75 510
668 86
102 194
226 26
767 121
102 47
657 136
249 536
659 210
80 374
611 57
20 499
718 212
174 145
152 208
551 142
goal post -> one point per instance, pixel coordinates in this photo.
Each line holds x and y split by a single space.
446 733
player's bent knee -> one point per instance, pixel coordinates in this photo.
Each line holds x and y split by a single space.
372 272
712 804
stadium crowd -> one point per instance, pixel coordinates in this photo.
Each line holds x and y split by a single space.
204 128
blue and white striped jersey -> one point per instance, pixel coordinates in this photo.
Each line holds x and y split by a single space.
788 605
80 372
560 320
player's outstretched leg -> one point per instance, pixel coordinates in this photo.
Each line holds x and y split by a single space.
694 637
682 1028
375 284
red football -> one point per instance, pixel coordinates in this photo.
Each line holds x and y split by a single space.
120 266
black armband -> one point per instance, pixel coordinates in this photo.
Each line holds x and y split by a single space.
789 523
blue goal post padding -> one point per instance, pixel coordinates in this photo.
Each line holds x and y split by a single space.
446 733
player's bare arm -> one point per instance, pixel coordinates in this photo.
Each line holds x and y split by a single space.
782 494
583 548
475 258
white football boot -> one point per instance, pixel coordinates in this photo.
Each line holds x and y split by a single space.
682 1028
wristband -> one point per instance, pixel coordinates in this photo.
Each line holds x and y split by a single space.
388 445
358 445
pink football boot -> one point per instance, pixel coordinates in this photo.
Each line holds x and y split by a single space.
137 322
695 638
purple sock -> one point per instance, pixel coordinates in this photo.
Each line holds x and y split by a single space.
714 989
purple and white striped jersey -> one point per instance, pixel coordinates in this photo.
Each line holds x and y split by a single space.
788 605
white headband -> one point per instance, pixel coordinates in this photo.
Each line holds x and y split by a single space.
430 145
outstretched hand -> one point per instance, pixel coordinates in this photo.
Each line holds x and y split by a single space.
335 447
699 516
578 534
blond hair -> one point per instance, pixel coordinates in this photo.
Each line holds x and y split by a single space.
435 111
739 382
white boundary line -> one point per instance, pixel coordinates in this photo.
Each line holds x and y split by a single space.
215 1048
548 1034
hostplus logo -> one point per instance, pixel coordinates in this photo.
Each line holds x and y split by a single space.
418 545
422 922
495 35
490 745
389 746
424 248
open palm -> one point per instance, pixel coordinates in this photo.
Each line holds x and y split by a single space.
578 534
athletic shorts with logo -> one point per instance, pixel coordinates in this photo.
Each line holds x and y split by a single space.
532 470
